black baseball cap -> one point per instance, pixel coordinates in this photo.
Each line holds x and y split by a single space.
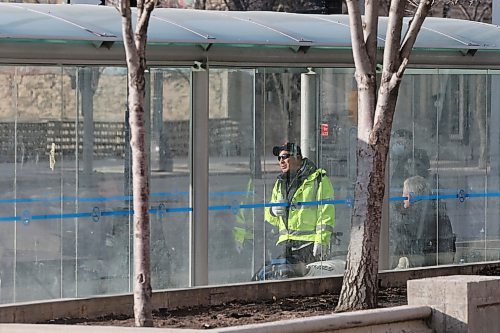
289 146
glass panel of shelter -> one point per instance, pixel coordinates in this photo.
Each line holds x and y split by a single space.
72 238
170 178
40 256
250 112
413 147
8 193
37 250
281 119
69 136
65 156
232 145
328 145
491 98
103 248
436 163
337 132
462 137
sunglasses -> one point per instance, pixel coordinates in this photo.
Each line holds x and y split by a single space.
284 156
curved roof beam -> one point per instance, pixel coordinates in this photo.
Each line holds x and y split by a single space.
180 25
269 26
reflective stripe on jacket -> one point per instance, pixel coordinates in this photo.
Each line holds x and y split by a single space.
309 222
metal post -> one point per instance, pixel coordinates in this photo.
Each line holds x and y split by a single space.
259 232
147 118
85 86
198 233
258 132
493 179
494 135
308 107
159 134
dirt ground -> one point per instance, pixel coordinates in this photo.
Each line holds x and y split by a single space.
233 314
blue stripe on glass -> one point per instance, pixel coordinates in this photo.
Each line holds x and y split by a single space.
461 194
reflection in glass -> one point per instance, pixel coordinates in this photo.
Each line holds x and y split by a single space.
8 185
169 185
444 142
421 230
103 245
232 175
66 183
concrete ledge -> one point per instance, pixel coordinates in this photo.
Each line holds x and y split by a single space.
34 312
460 303
397 319
391 278
33 328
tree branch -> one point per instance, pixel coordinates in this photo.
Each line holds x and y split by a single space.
143 16
483 13
393 38
371 30
359 52
227 5
415 25
476 8
464 11
128 37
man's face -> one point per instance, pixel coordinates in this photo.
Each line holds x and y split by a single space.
288 162
406 202
399 146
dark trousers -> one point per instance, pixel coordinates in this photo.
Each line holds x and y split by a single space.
294 253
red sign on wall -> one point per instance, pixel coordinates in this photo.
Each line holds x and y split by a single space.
324 130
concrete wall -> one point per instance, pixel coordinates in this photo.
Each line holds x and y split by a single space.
402 319
32 312
460 303
446 303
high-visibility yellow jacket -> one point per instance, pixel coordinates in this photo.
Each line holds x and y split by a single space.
243 229
307 218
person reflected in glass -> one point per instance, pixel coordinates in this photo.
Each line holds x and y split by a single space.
243 228
304 226
405 160
423 235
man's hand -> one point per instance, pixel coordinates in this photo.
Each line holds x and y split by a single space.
278 210
320 251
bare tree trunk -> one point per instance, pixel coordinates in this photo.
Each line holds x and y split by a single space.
375 116
135 49
360 285
360 278
142 266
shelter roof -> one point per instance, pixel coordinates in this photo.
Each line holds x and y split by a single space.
100 27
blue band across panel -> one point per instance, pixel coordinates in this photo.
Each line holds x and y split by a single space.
233 206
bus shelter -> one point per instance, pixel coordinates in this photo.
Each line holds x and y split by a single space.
223 88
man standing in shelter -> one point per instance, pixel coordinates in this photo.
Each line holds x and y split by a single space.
406 160
304 223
